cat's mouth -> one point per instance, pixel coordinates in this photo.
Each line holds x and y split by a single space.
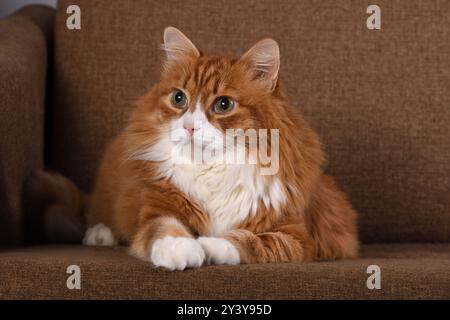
199 151
200 142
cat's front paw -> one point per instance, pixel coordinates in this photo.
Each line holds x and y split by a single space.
219 250
177 253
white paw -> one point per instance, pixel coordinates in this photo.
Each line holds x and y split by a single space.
177 253
219 250
99 235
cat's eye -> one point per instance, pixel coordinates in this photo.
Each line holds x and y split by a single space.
223 105
178 99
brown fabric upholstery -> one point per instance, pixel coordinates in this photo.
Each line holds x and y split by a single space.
23 66
407 272
379 99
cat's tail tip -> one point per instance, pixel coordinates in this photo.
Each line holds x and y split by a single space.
54 209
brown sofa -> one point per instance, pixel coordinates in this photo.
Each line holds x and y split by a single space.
378 98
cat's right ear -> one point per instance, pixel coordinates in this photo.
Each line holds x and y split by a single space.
177 46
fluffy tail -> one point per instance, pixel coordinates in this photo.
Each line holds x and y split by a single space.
54 209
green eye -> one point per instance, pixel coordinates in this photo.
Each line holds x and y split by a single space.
223 105
178 99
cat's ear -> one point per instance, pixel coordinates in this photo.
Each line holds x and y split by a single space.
264 61
177 45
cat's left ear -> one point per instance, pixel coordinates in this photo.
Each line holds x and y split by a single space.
177 46
264 61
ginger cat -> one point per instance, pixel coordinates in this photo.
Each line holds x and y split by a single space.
185 214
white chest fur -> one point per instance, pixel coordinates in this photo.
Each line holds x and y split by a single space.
228 193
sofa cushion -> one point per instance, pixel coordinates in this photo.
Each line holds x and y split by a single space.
407 272
378 98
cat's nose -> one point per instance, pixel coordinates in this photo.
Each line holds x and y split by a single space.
189 128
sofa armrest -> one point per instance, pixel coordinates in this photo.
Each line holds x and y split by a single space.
24 39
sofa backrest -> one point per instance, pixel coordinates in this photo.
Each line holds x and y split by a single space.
378 98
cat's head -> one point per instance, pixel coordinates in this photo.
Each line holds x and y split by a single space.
200 96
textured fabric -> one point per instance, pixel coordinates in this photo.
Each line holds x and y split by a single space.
407 272
378 98
23 63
